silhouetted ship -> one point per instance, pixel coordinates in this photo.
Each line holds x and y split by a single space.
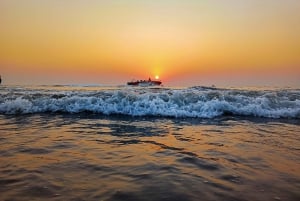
0 79
144 83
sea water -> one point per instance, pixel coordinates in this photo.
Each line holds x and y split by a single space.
162 143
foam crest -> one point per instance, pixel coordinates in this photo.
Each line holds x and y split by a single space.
192 102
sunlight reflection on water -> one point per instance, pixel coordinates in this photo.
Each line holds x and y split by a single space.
95 157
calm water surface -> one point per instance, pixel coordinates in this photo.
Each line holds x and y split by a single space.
96 157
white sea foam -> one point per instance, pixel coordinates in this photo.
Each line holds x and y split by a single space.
200 102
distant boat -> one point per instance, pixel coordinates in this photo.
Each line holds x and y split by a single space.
144 83
0 79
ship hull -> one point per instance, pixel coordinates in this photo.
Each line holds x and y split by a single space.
144 83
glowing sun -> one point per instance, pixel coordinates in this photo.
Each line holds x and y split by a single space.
156 77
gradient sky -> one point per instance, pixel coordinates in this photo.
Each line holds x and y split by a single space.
188 42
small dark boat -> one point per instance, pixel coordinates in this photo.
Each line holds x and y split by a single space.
144 83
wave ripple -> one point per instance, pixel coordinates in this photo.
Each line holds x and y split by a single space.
200 102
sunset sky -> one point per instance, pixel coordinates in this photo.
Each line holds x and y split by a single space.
187 42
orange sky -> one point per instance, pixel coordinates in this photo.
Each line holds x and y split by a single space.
191 42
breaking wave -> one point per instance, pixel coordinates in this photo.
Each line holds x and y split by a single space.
202 102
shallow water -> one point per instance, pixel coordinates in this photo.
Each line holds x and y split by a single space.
86 156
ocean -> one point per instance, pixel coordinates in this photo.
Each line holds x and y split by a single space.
119 143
